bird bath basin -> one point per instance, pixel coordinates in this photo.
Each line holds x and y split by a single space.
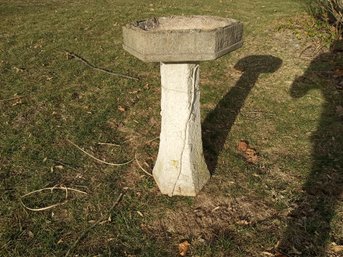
179 43
182 38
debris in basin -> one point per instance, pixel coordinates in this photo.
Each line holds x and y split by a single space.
147 24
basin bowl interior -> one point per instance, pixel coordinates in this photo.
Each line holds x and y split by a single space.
175 23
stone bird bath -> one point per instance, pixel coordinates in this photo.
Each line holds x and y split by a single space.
179 43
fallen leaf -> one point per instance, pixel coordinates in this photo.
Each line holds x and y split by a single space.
18 69
242 146
17 102
152 121
339 85
30 234
338 73
296 251
243 222
267 254
336 248
120 108
184 247
339 110
249 153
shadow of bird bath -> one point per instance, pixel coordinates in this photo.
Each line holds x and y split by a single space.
219 121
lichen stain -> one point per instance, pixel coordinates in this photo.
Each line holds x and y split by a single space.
175 164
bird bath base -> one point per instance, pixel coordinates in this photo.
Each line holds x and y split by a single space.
180 167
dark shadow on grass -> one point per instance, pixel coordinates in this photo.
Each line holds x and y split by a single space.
218 122
309 224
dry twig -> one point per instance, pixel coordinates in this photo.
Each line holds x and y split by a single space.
87 63
151 140
307 47
140 166
11 99
66 189
98 160
111 144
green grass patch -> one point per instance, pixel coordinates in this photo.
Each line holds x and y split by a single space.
280 92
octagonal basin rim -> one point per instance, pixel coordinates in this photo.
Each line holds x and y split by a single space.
178 23
182 38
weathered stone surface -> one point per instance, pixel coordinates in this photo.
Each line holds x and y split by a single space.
182 38
180 168
179 42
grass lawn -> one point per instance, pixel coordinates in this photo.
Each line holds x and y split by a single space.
280 92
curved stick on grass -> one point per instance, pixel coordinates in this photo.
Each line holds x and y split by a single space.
43 208
140 166
97 159
51 189
77 57
307 47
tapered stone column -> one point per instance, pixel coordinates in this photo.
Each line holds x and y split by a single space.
180 167
179 43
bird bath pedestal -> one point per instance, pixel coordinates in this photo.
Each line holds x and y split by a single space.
179 43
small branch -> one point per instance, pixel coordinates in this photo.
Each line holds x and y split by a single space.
11 99
51 189
111 144
98 160
151 140
115 203
43 208
87 63
140 166
93 225
307 47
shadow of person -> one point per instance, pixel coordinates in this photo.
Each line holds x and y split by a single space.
218 122
308 226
